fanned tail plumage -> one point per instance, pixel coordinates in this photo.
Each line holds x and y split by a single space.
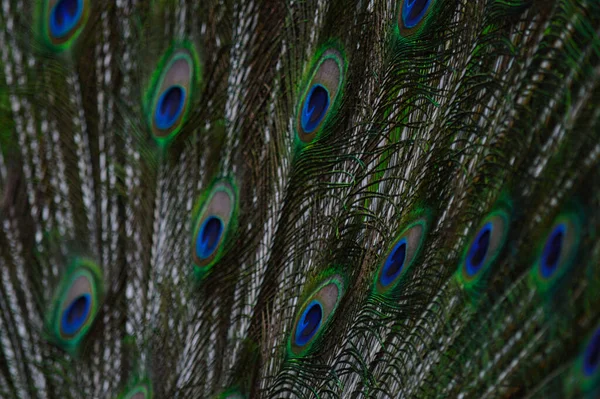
327 199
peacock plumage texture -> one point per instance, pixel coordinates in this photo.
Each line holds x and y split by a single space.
299 199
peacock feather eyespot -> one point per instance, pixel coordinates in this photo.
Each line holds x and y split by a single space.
401 256
76 304
558 250
320 95
413 15
214 223
315 314
168 100
484 247
62 21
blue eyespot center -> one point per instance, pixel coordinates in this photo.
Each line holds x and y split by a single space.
65 15
76 314
591 358
169 107
209 237
413 12
315 108
478 250
394 263
309 323
552 251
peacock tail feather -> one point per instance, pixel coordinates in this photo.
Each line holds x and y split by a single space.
299 199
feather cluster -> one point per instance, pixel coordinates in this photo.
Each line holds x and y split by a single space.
303 199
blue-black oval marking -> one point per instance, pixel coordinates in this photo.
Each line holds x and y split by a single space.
552 251
413 12
591 358
309 323
209 236
64 16
394 264
169 107
315 108
75 315
478 250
